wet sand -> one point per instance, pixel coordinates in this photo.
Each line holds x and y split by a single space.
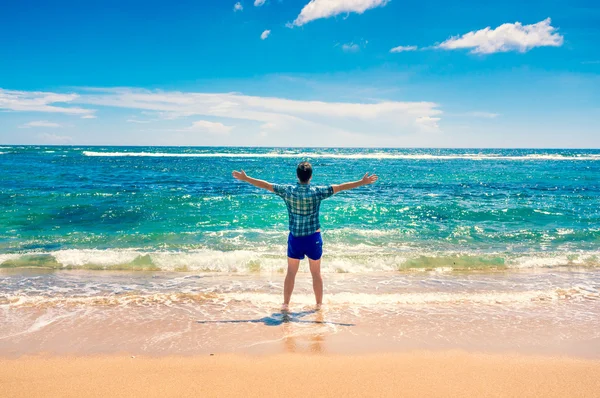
392 335
449 373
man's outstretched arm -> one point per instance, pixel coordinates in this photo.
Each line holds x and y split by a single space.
366 180
241 175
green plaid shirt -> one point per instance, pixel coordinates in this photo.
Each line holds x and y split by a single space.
303 202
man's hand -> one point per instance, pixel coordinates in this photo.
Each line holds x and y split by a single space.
240 175
366 180
369 179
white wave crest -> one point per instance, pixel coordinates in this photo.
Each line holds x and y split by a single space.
7 257
338 258
370 299
382 156
332 299
107 258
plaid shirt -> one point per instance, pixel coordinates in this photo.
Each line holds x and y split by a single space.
303 202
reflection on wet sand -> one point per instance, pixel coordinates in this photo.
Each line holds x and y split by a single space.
295 335
283 318
315 337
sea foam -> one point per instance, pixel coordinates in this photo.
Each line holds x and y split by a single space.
332 299
382 156
338 259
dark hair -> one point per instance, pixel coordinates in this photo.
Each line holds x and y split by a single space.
304 172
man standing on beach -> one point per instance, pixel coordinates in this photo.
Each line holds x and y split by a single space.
303 201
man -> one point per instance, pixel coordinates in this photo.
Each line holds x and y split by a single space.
303 201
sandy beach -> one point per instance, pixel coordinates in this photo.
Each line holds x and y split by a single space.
311 198
415 374
461 274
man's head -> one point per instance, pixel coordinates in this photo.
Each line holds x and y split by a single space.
304 172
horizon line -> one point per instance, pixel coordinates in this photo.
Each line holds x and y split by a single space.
295 147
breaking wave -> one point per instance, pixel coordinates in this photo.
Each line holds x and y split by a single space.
381 155
338 259
268 299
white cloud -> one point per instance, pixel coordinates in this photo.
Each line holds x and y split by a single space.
138 121
238 7
205 126
239 119
485 115
237 104
40 123
400 49
331 120
258 3
318 9
172 115
427 123
266 129
265 34
35 101
268 126
351 47
55 139
88 117
506 37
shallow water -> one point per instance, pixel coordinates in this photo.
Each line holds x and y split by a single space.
159 250
179 209
545 311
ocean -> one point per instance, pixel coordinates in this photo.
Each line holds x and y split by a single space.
446 237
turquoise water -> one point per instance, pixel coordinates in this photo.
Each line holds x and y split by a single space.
522 227
179 209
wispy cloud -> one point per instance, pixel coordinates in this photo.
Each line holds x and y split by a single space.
506 37
401 49
36 101
238 7
485 115
353 46
268 126
427 123
289 116
138 121
221 116
317 9
265 34
88 117
350 47
40 123
205 126
55 139
266 129
167 115
258 3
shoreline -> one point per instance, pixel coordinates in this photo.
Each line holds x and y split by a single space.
416 373
75 313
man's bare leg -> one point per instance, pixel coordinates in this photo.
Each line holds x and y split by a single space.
290 278
315 271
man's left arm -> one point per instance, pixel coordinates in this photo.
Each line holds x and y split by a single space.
366 180
242 176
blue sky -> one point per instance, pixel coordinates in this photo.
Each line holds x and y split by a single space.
301 73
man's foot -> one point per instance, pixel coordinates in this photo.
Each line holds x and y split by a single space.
285 307
318 307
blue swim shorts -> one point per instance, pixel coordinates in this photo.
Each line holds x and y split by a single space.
310 246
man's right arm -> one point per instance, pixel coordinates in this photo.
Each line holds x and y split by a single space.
241 175
366 180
